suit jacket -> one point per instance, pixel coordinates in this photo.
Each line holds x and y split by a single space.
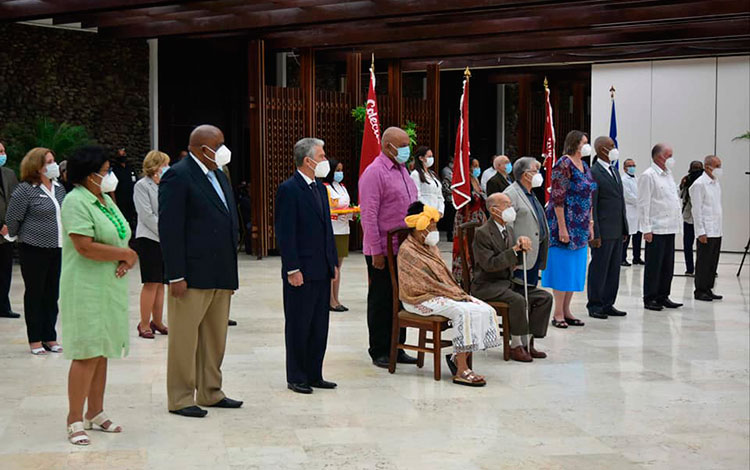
527 225
10 181
304 234
198 233
608 203
497 184
494 261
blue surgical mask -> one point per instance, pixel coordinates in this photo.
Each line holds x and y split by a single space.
631 170
163 171
403 154
476 172
3 159
508 168
338 176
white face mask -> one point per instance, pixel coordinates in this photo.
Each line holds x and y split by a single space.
108 183
52 170
537 180
509 215
669 163
432 238
717 172
222 155
586 150
614 155
322 169
430 161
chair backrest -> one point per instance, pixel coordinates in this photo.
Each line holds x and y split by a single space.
401 233
465 236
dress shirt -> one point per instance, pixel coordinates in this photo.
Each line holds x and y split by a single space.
486 176
430 192
29 217
659 208
705 197
386 190
607 166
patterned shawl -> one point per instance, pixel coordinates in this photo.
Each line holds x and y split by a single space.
423 275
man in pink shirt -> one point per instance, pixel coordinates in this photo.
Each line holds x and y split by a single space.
385 192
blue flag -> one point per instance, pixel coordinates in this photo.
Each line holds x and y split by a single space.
613 128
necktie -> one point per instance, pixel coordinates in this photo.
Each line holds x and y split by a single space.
316 196
612 171
215 183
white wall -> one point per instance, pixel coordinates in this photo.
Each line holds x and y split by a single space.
696 105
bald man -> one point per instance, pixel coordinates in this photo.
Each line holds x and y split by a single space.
198 228
385 192
501 180
497 253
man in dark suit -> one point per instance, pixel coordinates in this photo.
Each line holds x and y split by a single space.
199 231
501 180
8 183
308 263
610 229
497 253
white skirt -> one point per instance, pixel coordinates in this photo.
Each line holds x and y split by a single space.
474 323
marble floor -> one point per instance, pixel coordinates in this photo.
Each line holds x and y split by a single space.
666 390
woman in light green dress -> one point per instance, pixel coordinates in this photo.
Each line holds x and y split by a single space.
93 288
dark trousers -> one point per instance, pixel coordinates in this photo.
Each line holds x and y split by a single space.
6 273
537 321
657 275
604 276
636 237
705 265
380 310
306 329
688 238
40 268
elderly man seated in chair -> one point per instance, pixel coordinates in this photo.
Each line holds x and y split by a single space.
426 287
497 253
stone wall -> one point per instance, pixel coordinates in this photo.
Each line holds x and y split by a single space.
78 77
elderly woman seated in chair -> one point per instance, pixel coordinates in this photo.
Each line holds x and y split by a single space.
427 287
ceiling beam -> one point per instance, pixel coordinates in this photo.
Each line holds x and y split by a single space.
34 10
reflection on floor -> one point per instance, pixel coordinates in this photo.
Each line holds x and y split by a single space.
657 390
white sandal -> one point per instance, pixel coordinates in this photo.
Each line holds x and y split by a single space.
80 439
38 351
55 349
99 420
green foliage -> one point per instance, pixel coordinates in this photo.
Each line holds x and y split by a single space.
745 136
411 130
359 114
62 138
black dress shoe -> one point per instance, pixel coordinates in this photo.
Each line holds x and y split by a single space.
232 322
404 358
190 412
599 315
227 403
669 304
713 296
383 362
703 296
625 263
613 312
653 305
638 261
10 314
323 384
300 388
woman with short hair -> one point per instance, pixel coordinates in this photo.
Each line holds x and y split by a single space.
146 201
93 288
33 218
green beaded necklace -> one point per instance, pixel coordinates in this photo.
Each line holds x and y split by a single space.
122 231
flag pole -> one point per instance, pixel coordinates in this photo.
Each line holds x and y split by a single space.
612 92
465 209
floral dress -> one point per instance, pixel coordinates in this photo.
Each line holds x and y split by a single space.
572 189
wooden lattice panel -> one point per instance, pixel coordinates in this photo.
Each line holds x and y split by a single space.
418 111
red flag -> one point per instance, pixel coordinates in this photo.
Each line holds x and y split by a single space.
371 136
461 182
548 152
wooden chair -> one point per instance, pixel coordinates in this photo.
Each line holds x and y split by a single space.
466 240
403 319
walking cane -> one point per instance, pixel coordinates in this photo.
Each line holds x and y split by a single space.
526 296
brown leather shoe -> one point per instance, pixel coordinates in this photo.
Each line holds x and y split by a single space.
537 354
519 354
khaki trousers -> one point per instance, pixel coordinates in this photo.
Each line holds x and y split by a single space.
197 340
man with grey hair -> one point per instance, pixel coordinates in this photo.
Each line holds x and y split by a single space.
501 180
660 218
705 197
309 262
530 221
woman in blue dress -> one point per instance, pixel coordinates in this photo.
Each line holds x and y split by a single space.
571 226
